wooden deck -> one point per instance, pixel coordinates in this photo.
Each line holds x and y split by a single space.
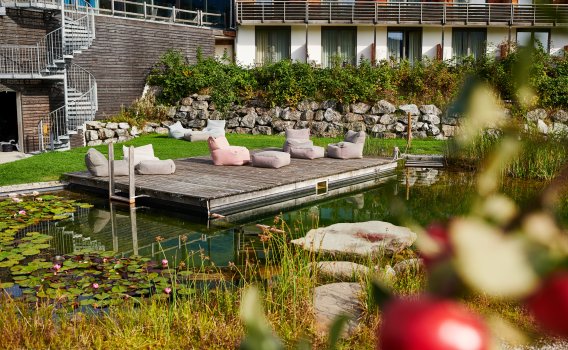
202 188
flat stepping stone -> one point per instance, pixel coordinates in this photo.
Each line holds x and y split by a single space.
363 239
342 270
335 299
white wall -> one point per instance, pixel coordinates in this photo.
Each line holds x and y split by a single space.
381 49
245 49
558 40
298 43
365 39
447 43
314 44
222 51
431 37
496 36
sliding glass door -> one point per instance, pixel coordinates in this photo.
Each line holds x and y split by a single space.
339 44
404 44
272 44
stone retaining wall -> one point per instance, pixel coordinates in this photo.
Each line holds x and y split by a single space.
330 118
99 133
327 118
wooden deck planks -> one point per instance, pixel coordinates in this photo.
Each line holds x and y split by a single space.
198 182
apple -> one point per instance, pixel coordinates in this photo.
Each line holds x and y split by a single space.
549 304
430 324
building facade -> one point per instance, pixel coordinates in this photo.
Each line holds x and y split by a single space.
348 31
65 62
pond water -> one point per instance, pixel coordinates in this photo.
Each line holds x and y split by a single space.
422 195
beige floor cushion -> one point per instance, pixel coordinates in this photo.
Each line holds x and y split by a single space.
156 167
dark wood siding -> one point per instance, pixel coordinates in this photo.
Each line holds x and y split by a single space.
124 52
25 27
37 98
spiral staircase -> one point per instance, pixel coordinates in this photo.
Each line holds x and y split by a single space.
51 58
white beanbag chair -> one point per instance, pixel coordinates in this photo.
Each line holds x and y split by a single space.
141 153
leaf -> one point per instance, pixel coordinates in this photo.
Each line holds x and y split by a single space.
6 285
259 335
336 330
491 262
380 293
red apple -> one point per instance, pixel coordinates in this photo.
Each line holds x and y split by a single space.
549 304
429 324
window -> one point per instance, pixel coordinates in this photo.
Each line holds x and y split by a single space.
404 44
537 36
338 44
272 44
467 42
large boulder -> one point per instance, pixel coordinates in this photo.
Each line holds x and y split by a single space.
383 107
431 118
536 115
369 238
360 108
342 270
410 108
332 300
542 127
387 119
319 128
560 116
328 104
249 120
289 114
331 115
430 109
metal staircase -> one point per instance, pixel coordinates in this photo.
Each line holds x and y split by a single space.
51 58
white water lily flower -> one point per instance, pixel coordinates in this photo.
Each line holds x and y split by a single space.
489 261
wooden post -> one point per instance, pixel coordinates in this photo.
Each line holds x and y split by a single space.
110 170
113 226
409 136
131 181
134 228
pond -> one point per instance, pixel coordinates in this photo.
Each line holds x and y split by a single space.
422 195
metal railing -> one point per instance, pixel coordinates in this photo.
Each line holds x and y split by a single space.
149 11
81 97
44 4
47 56
399 12
17 60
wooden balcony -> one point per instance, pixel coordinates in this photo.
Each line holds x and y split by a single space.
371 12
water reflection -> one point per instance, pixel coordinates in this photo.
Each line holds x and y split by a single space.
424 195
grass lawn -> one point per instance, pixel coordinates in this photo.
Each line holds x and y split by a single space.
51 165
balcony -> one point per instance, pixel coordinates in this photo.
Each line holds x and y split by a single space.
370 12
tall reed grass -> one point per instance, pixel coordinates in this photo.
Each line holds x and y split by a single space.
540 158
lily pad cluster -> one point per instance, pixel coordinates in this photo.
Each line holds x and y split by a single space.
96 279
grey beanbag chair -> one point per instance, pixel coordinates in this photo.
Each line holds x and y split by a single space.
97 164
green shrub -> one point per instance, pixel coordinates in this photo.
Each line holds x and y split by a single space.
429 81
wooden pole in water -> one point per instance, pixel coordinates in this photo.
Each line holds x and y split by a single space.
409 132
110 170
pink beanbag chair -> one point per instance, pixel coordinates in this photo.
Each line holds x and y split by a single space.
225 154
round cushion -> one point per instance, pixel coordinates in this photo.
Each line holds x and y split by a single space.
270 159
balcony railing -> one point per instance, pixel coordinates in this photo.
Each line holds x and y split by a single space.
147 11
370 12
